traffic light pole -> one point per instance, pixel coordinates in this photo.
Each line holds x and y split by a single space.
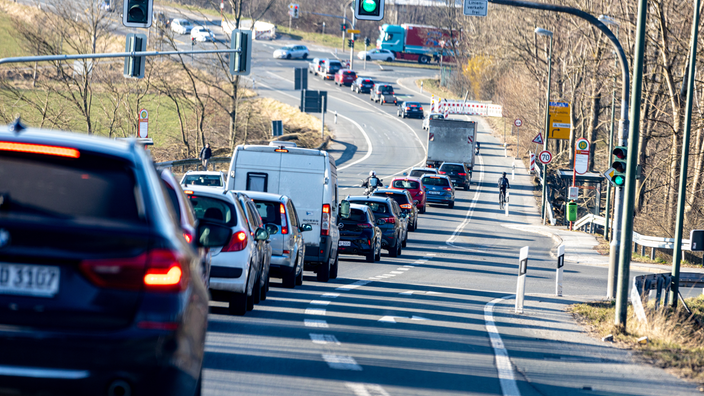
354 22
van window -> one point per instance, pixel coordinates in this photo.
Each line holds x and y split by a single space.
257 182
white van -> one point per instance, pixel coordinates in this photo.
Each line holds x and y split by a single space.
309 178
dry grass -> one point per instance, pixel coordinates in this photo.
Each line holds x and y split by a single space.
432 86
675 340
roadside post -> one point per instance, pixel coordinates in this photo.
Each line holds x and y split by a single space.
335 112
521 286
558 271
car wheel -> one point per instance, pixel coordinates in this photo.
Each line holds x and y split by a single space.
389 60
369 58
403 115
422 209
288 56
238 303
299 278
396 249
264 290
412 227
335 266
323 274
466 187
289 280
305 56
405 241
377 255
256 292
451 205
372 255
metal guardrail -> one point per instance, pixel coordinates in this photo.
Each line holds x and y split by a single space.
643 240
662 284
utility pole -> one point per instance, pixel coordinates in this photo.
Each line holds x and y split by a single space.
543 211
354 22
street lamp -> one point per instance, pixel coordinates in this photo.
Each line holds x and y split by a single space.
547 33
612 277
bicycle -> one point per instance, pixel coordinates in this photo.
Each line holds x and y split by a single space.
502 199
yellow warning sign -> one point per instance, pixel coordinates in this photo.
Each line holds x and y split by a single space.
560 124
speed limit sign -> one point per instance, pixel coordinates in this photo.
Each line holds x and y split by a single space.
545 157
518 122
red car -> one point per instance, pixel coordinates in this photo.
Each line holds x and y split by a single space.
345 77
414 187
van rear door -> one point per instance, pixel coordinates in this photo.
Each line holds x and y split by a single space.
303 180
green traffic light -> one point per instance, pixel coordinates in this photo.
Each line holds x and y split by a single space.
619 180
369 5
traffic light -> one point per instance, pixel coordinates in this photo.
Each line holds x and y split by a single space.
619 166
295 10
350 43
241 62
137 13
369 10
134 65
367 41
343 27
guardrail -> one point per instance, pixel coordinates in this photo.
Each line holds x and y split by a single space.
189 162
661 283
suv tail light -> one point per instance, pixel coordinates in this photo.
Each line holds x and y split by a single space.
284 224
406 206
325 220
441 172
237 242
166 272
408 109
390 220
447 189
462 174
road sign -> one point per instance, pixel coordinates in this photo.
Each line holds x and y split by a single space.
277 128
355 31
517 122
538 139
313 101
573 193
300 78
581 157
560 123
609 174
143 125
475 7
545 157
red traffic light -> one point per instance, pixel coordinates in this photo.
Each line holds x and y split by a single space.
620 153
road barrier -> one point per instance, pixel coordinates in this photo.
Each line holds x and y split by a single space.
662 284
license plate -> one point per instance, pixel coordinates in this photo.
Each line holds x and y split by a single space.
434 192
345 243
29 280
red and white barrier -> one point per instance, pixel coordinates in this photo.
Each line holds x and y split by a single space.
532 162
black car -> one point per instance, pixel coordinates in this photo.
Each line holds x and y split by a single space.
410 110
100 291
457 172
362 85
405 202
359 234
389 219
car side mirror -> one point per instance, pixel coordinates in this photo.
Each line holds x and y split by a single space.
261 234
306 227
345 209
212 234
272 229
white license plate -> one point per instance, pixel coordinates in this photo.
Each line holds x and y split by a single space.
345 243
434 192
29 280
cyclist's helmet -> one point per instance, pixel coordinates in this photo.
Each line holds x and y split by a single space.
372 174
504 174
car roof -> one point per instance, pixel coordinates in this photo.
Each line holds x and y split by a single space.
213 192
264 196
363 198
425 168
409 178
437 176
206 173
390 190
360 207
452 163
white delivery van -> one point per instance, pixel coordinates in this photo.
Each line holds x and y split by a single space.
309 178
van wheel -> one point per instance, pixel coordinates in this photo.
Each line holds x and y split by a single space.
299 278
238 304
335 266
323 274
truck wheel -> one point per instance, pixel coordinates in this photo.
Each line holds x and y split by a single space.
323 274
423 59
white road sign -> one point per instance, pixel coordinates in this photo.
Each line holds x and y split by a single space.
581 157
475 7
573 193
545 157
517 122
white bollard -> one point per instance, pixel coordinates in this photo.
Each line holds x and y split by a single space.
513 171
521 286
421 87
560 264
506 204
335 117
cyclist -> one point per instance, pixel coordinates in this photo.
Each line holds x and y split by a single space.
503 185
372 182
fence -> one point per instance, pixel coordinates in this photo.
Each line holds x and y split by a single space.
661 283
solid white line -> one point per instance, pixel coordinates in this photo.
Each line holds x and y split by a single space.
370 148
342 362
324 339
408 293
315 323
366 389
319 302
468 217
503 363
315 311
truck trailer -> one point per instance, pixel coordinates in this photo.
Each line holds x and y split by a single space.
420 43
451 141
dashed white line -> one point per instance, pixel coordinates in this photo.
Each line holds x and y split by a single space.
342 362
403 269
315 323
323 339
468 217
353 285
366 389
409 266
396 272
408 293
503 363
315 311
331 295
320 302
431 254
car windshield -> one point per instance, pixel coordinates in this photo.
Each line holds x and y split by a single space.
356 216
435 181
400 198
269 211
452 168
420 172
405 184
213 209
203 180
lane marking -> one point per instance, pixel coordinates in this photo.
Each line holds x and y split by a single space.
323 339
353 285
342 362
410 266
503 363
388 319
320 302
390 275
470 212
403 269
418 318
431 254
432 292
315 311
397 272
331 295
408 293
315 323
366 389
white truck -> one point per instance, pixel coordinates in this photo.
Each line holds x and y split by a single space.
451 141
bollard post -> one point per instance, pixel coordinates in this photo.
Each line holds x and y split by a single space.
513 171
335 122
558 273
521 286
421 87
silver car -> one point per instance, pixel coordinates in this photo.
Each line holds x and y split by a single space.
287 244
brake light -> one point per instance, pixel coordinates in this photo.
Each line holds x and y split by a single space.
237 243
420 108
390 220
462 174
420 192
165 271
188 192
408 108
281 151
441 172
325 220
40 149
284 224
406 206
447 189
188 237
159 278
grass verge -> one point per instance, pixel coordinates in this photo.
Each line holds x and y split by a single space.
326 40
432 86
675 340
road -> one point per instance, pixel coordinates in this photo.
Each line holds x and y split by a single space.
437 320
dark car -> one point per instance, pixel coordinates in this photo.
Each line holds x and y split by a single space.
439 189
410 110
362 85
405 202
389 219
100 293
359 234
383 93
457 172
345 77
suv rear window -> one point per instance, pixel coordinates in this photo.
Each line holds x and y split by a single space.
90 187
270 212
213 209
416 173
203 180
356 216
379 208
435 181
452 168
406 184
400 198
386 89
